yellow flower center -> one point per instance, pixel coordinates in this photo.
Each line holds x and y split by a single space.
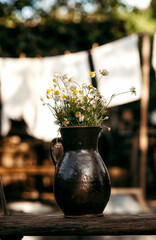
57 92
77 114
64 77
64 123
91 74
48 90
73 99
75 91
90 85
54 79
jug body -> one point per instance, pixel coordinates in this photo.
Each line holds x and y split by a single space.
81 183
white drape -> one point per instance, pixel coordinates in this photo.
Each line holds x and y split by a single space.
121 59
18 79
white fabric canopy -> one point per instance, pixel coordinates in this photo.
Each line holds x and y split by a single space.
121 59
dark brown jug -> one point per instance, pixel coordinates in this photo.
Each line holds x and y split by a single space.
82 183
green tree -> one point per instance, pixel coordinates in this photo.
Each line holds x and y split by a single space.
67 25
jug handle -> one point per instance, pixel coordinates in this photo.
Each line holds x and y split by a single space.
56 150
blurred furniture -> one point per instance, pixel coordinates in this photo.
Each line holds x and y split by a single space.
25 168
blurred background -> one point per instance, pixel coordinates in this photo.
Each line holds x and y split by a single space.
40 37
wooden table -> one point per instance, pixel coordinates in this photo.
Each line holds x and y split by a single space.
57 225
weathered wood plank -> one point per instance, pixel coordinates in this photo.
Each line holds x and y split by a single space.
57 225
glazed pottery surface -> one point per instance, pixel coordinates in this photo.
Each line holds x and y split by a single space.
82 183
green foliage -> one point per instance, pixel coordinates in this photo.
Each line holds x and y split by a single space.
142 21
50 33
56 37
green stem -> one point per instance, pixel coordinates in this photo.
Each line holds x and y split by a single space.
114 95
76 83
